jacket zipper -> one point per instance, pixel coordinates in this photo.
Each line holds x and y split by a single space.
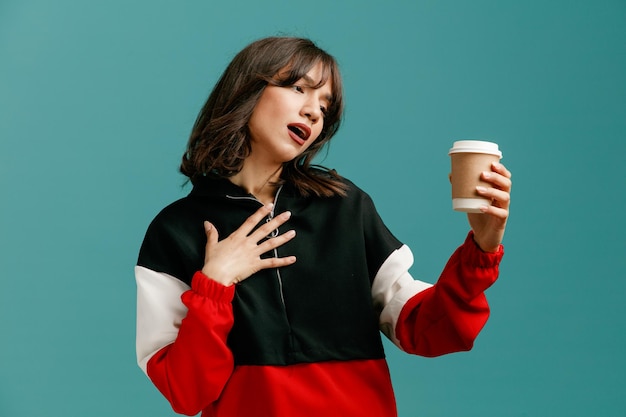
274 233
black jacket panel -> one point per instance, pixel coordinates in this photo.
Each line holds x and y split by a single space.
317 309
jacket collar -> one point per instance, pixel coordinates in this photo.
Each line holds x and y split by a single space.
213 186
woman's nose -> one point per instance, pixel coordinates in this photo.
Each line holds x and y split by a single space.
312 111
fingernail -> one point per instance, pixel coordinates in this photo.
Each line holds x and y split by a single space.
483 208
207 225
270 206
486 174
481 189
287 214
291 233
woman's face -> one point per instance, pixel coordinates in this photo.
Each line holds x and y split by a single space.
287 120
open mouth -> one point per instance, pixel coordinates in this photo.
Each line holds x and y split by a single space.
300 130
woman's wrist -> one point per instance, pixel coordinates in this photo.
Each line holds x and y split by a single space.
213 275
487 247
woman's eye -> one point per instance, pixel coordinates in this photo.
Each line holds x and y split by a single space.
298 89
324 110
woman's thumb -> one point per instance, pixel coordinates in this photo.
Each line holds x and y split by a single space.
211 232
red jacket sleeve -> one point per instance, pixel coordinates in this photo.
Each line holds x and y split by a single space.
192 371
448 316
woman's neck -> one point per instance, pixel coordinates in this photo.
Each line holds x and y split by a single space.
258 181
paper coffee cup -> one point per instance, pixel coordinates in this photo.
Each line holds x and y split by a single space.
469 158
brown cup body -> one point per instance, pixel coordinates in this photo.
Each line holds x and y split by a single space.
465 176
466 172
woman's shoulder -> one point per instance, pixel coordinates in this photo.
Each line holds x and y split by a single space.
172 216
173 240
351 188
354 200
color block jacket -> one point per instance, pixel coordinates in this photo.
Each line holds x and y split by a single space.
303 340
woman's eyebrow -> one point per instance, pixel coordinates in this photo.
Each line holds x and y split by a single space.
309 81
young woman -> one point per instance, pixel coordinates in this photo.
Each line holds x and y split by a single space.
264 291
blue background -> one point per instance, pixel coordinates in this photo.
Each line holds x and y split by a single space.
97 100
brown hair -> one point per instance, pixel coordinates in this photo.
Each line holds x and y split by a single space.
219 141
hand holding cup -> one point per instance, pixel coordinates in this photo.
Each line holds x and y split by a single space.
481 187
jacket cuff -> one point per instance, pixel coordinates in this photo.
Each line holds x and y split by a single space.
475 256
206 287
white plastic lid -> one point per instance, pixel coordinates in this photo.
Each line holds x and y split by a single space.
475 146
